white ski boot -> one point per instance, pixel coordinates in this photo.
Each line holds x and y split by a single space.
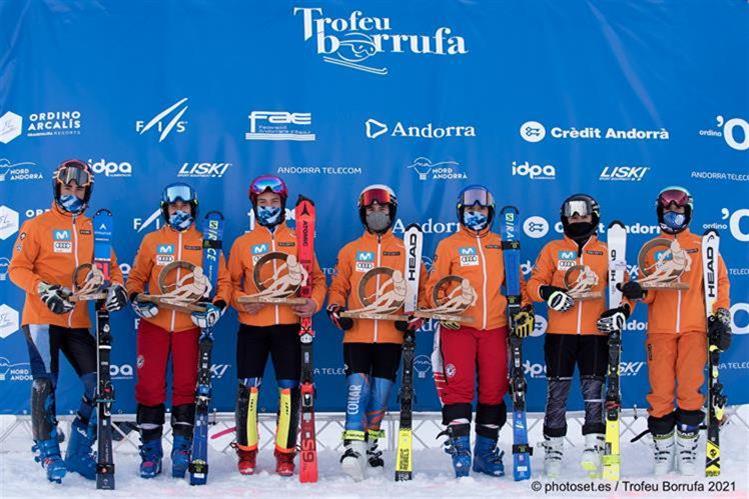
591 461
553 453
354 459
686 445
664 453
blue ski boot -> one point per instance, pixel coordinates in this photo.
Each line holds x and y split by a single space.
48 455
180 455
151 454
459 447
487 458
79 457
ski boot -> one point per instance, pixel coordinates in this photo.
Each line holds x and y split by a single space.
181 447
686 444
553 453
354 458
79 456
458 446
374 455
48 455
664 453
487 458
247 459
151 454
592 454
284 462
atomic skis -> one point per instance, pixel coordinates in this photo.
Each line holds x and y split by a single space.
105 391
716 400
212 240
616 240
412 237
305 237
521 451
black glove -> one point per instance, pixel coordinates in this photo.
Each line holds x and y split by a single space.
342 323
412 324
116 298
632 290
55 297
719 329
613 319
556 298
524 322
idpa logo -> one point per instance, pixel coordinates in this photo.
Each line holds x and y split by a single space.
534 172
124 371
535 371
111 168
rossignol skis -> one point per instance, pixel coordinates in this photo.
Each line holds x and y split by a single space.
212 240
103 228
412 237
305 237
616 240
716 400
521 450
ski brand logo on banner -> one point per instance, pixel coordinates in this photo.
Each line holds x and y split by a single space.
11 127
203 170
175 123
25 170
443 170
279 125
351 41
374 129
623 173
8 321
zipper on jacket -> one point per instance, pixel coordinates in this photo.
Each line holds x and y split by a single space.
273 248
580 302
483 284
678 310
379 262
179 257
75 257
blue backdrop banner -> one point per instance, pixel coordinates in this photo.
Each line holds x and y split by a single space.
536 100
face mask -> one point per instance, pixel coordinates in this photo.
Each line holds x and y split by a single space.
475 220
268 215
378 221
71 203
674 221
180 220
579 229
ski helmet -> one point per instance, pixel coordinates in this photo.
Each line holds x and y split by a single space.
268 183
682 198
476 195
179 191
380 194
581 205
73 170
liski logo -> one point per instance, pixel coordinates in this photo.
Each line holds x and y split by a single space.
203 170
4 263
18 171
532 131
623 173
534 172
726 129
8 321
158 122
111 168
11 127
155 217
444 170
374 129
351 41
8 222
279 125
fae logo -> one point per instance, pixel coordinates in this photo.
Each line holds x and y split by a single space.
374 129
734 223
279 125
11 127
8 321
350 41
534 172
175 123
111 168
8 222
535 227
624 173
444 170
203 170
532 131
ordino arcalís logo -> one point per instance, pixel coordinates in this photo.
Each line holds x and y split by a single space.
166 121
426 169
735 131
534 131
54 123
351 41
280 125
23 170
374 128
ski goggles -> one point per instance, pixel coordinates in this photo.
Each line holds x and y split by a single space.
577 207
267 182
382 196
74 171
678 196
179 192
478 195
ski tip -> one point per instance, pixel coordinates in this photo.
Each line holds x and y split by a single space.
103 211
616 223
302 199
413 226
214 212
710 231
509 209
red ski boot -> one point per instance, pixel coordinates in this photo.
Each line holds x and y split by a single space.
284 463
247 459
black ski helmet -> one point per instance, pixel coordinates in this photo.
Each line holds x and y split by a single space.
677 195
380 194
73 170
580 204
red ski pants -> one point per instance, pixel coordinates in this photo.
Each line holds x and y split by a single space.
154 345
464 353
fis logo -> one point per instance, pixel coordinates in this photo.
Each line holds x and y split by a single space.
468 256
158 122
140 225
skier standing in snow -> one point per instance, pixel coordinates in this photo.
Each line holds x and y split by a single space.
48 249
162 331
677 340
464 350
268 328
371 348
577 330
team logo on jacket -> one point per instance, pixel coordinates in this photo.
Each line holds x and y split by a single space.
62 241
164 254
566 259
258 250
450 370
364 261
468 256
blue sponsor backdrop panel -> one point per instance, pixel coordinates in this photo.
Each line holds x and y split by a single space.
537 100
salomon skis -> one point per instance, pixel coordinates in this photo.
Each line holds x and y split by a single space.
521 451
305 238
616 240
412 237
716 400
103 228
212 240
